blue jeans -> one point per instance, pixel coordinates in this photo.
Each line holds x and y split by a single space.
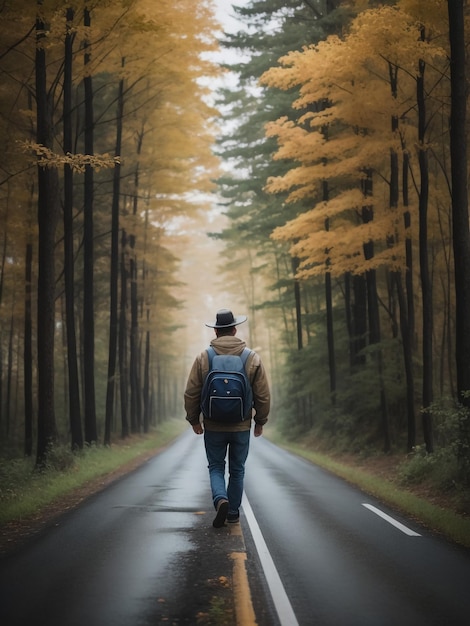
216 444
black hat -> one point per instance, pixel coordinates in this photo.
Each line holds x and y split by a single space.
225 318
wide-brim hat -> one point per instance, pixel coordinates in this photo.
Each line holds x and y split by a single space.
225 318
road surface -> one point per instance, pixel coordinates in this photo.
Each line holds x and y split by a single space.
316 551
344 558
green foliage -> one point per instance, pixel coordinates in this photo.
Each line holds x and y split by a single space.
59 458
300 391
14 475
219 613
439 468
352 422
448 467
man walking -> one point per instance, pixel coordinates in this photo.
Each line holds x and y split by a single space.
231 437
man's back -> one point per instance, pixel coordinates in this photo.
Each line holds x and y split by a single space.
234 436
228 344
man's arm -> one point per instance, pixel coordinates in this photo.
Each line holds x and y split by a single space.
197 428
192 397
261 396
258 430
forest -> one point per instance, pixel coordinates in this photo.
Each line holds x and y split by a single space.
352 209
322 188
106 133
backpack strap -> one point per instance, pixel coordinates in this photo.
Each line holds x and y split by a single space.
210 355
244 356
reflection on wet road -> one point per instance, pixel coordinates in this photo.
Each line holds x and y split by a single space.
126 556
143 552
343 558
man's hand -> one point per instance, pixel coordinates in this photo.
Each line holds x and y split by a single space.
258 430
198 429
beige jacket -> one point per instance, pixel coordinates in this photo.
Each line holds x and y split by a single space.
256 373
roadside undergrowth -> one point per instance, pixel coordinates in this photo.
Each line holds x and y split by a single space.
29 500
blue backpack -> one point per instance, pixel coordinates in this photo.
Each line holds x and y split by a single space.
226 394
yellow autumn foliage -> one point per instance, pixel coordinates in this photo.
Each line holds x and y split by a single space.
364 82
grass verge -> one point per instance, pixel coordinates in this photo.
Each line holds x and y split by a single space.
24 493
438 519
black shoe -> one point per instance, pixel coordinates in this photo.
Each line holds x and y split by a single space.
222 510
233 518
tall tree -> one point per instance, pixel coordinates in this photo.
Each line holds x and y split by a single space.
405 311
369 50
113 301
426 285
460 224
271 28
69 260
88 247
367 213
135 360
48 211
163 43
28 356
122 340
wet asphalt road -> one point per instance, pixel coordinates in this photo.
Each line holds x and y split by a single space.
144 552
141 552
342 564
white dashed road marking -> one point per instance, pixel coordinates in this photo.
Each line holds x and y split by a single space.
390 520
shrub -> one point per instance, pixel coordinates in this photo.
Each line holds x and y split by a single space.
59 458
448 467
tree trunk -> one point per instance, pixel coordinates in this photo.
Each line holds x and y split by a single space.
330 337
359 320
159 394
2 278
123 369
48 209
374 317
28 356
9 373
329 303
88 260
136 403
147 417
426 286
408 364
298 310
408 252
113 304
460 227
2 429
397 276
374 339
69 282
146 388
135 357
410 309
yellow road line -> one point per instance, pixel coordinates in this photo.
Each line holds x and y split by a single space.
244 613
